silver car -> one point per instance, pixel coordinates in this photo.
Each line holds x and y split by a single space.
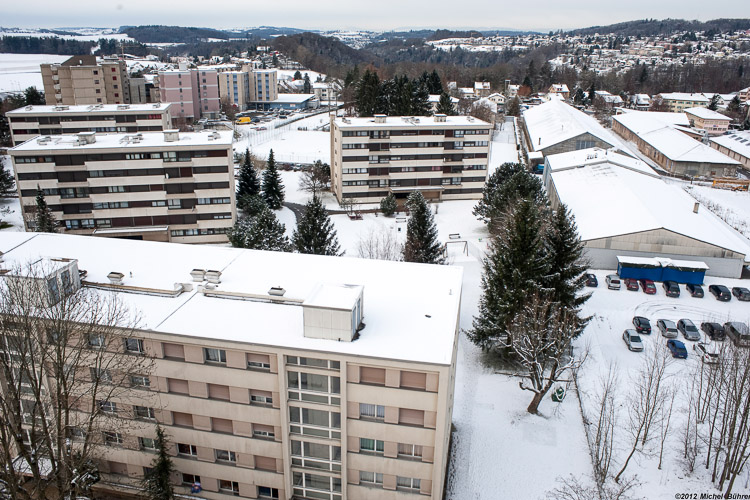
667 328
632 340
688 329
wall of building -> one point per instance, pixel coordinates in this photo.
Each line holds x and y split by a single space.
583 141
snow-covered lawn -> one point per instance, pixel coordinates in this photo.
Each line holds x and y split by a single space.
20 71
732 206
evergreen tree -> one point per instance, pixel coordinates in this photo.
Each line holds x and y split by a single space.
45 220
261 232
515 266
7 182
297 75
422 244
579 96
445 105
401 101
714 104
368 89
248 183
527 83
33 97
273 189
388 205
315 233
307 86
435 85
420 100
592 92
157 482
513 107
252 204
509 182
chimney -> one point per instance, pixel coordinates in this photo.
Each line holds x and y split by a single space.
115 278
440 118
379 118
171 135
277 291
213 276
696 207
86 137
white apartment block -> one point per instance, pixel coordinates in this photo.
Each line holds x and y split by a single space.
31 121
166 186
282 375
445 157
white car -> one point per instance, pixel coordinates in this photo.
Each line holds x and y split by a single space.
613 281
632 340
708 352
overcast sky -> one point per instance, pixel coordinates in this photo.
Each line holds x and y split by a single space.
542 15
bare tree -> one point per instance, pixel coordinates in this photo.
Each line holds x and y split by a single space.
602 444
541 334
572 488
63 373
380 244
317 179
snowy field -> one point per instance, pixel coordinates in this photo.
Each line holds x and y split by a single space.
20 71
732 206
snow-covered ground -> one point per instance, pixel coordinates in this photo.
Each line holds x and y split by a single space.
20 71
732 206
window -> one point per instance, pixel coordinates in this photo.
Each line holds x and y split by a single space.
77 433
371 411
178 386
140 381
409 450
411 417
174 204
371 445
413 380
182 419
408 483
134 346
266 492
218 392
371 375
144 412
101 375
147 443
317 418
173 351
263 431
312 382
232 487
225 456
190 479
261 397
112 438
187 449
54 291
108 406
222 425
370 477
211 355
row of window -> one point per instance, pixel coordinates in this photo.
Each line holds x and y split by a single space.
81 159
424 157
417 145
83 118
385 134
402 483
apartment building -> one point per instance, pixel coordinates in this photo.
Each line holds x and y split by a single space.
234 86
31 121
86 80
335 385
194 92
677 102
445 157
265 86
166 186
705 119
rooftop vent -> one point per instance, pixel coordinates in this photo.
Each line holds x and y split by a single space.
379 118
198 274
121 107
440 118
29 108
696 207
213 276
171 135
470 118
276 291
61 108
44 140
115 278
86 137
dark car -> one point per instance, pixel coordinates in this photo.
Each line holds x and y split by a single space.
677 348
738 333
720 292
671 288
714 330
741 293
591 280
631 284
688 329
648 287
694 290
642 325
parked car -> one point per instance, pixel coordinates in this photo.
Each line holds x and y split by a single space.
591 280
613 281
720 292
714 330
741 293
677 348
631 284
694 290
738 333
708 352
671 288
667 328
632 340
648 287
642 325
688 329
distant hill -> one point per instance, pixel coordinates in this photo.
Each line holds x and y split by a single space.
443 34
317 51
652 27
171 34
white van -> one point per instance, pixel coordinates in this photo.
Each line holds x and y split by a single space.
613 282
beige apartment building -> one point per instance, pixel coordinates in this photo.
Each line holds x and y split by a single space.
677 102
31 121
85 80
166 186
705 119
334 385
445 157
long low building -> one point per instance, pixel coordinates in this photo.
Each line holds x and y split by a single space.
624 208
672 149
281 376
736 145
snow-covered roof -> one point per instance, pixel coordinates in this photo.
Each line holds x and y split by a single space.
293 98
673 144
737 141
594 156
554 122
609 199
410 121
120 141
643 121
682 96
436 98
93 109
410 310
707 114
559 87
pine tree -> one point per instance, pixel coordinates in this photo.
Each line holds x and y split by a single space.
508 183
248 183
592 92
420 101
307 86
515 266
368 89
261 232
714 104
422 244
436 86
445 105
33 97
315 233
157 482
252 204
513 107
7 182
388 205
45 220
273 189
297 75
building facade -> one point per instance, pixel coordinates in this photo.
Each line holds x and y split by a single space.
735 145
234 86
444 157
153 186
265 86
31 121
86 80
705 119
193 92
301 401
677 102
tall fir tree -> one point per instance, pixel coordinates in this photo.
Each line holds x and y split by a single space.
388 205
261 232
516 265
45 220
273 189
420 101
248 183
422 244
368 89
157 482
315 233
7 182
509 182
307 86
445 105
436 86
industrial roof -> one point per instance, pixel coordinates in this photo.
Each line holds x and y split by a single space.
707 114
126 141
737 141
